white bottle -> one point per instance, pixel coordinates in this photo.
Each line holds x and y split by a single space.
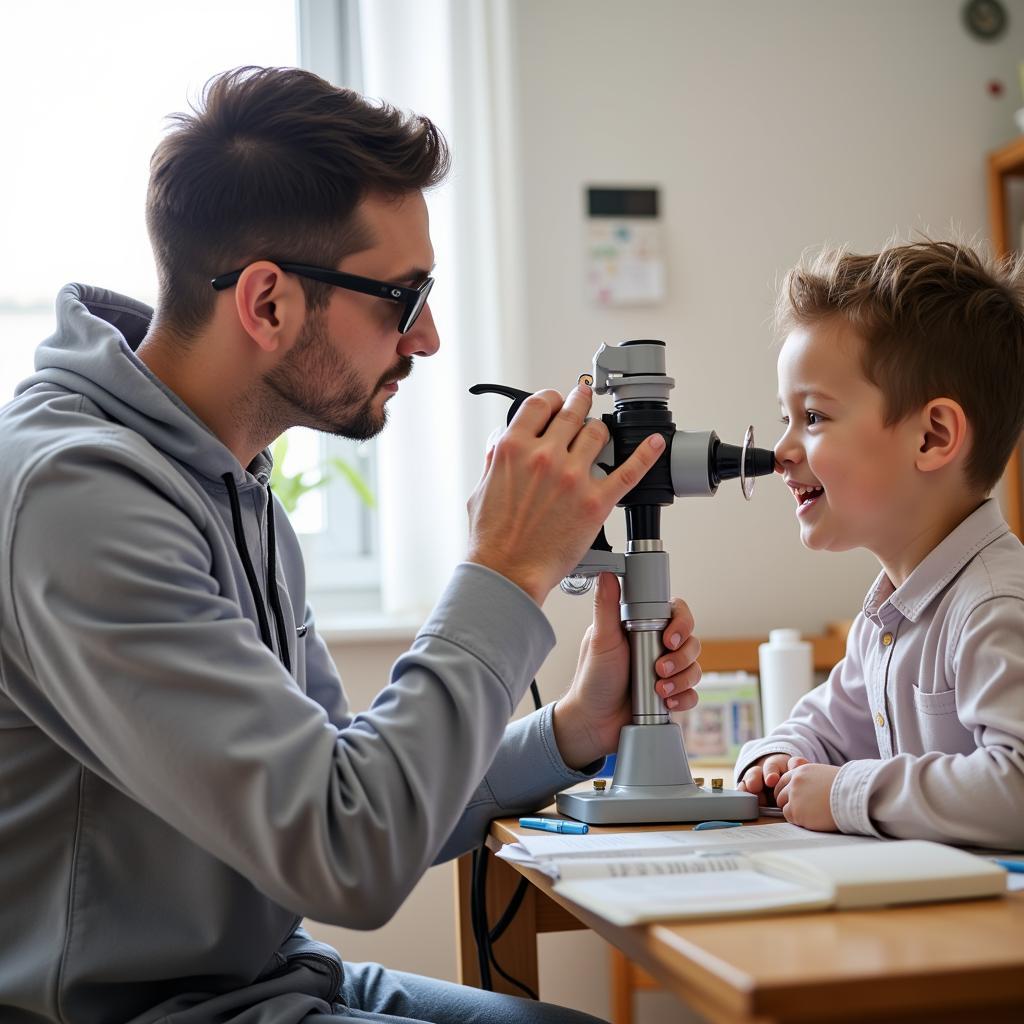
787 673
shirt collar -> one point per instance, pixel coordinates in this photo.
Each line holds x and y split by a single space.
935 571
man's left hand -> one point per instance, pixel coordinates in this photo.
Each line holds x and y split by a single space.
803 794
588 718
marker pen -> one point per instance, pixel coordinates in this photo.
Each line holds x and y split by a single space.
572 828
1015 866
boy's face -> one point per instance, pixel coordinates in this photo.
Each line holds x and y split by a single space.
852 477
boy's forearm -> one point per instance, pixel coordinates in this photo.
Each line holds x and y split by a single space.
809 732
971 801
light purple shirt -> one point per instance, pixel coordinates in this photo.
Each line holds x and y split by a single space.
926 711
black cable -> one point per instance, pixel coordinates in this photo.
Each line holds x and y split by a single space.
510 911
483 934
525 989
476 900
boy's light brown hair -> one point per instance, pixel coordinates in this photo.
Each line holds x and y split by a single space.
271 164
938 321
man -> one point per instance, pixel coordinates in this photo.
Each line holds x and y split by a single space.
180 778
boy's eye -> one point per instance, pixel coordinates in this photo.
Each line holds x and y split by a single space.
811 417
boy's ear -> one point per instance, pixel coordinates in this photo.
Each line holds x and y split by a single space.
943 434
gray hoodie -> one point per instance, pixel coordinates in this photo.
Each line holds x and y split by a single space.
180 778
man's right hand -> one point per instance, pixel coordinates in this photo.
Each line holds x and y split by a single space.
537 508
763 776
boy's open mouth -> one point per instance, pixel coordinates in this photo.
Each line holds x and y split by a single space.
806 495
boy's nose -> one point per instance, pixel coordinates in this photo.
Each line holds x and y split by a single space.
786 451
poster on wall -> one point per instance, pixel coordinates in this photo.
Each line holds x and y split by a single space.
625 263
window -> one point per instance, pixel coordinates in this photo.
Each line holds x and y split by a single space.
87 87
84 109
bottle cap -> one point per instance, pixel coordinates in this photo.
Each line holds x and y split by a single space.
784 636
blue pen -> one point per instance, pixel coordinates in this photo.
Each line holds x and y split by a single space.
716 824
571 828
1016 866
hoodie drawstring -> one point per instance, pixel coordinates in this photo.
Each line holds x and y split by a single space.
250 572
273 592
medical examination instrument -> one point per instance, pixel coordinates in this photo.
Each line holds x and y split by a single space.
652 780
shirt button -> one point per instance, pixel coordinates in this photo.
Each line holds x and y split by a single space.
879 719
887 639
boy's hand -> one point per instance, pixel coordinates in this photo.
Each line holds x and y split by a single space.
588 718
803 794
763 776
537 508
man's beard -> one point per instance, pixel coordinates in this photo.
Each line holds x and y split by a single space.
322 389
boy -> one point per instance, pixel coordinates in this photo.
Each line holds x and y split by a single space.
901 382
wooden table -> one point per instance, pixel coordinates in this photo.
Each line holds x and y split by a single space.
940 963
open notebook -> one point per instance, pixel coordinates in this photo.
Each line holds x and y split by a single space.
664 875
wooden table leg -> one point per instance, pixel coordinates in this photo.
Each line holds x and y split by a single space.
516 950
621 987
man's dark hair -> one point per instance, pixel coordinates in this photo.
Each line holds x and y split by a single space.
938 320
271 164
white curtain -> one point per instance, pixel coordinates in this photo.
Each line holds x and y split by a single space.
450 60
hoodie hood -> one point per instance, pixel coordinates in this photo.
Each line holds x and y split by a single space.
92 353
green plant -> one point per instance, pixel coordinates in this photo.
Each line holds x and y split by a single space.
290 487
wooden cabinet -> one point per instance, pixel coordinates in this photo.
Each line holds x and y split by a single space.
1003 165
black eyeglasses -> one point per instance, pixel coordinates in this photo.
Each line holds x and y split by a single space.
414 299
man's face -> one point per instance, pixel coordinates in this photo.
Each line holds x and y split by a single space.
348 357
853 478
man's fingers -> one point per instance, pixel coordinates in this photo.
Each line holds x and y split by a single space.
635 468
678 691
795 762
535 413
675 661
607 631
682 700
680 626
589 442
568 421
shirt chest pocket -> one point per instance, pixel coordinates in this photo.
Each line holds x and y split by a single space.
939 726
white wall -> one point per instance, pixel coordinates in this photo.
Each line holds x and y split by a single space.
769 127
